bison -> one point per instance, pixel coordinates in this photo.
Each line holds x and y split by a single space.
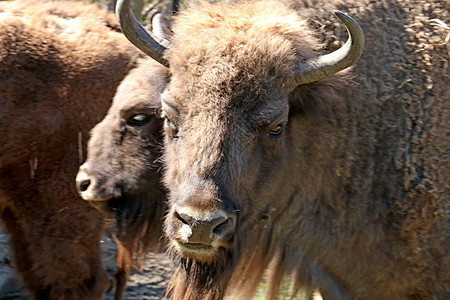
283 161
122 170
60 65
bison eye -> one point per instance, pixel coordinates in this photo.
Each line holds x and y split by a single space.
138 120
276 130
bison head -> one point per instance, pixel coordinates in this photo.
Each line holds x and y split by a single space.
122 170
238 93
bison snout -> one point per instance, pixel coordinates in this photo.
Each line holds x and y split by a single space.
83 182
204 229
85 186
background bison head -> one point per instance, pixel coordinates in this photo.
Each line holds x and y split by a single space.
122 170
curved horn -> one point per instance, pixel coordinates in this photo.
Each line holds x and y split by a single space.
150 44
311 70
157 25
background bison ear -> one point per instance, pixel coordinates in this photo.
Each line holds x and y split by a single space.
320 95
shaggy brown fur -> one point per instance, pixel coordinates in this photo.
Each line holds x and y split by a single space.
60 64
352 195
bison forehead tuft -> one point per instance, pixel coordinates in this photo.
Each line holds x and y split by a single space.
213 45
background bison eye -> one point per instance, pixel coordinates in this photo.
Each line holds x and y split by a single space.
276 130
138 120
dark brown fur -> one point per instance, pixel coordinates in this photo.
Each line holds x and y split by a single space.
60 64
352 197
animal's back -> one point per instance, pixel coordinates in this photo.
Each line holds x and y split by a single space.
68 53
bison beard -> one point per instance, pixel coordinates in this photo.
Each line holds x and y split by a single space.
197 280
134 217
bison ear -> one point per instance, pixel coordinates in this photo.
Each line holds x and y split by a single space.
318 95
169 108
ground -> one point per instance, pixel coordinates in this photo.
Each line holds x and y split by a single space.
150 284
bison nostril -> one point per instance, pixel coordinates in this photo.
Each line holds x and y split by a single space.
207 228
223 226
84 185
181 219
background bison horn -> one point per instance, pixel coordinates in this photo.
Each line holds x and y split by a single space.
323 66
150 44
